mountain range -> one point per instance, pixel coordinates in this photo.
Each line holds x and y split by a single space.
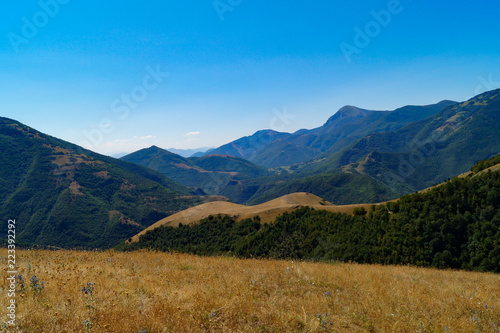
273 149
357 156
67 196
423 152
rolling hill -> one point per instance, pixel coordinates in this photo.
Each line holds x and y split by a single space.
63 195
267 211
174 166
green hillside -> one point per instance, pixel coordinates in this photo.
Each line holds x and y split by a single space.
424 152
339 188
282 152
63 195
213 174
177 168
240 167
455 225
375 122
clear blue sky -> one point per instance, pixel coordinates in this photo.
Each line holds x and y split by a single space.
68 69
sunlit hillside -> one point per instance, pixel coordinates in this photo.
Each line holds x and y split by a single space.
267 211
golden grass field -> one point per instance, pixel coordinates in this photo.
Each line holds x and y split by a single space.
267 211
161 292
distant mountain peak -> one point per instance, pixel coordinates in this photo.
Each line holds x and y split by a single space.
350 110
154 149
347 112
266 132
447 101
159 150
192 152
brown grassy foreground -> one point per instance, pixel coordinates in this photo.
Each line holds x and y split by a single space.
161 292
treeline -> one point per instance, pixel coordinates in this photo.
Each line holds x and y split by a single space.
485 164
455 225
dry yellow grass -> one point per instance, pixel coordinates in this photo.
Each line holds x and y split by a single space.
161 292
267 211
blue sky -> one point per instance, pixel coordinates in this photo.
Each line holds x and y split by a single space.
123 75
